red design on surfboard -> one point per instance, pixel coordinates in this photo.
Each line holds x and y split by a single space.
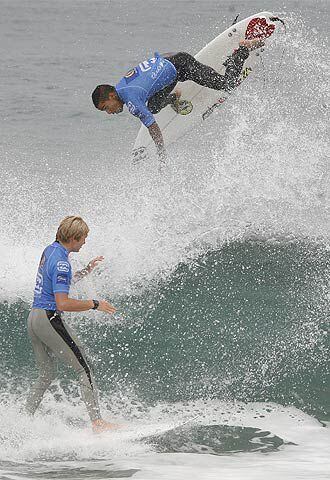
259 28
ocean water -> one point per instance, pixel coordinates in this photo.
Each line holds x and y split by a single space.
217 361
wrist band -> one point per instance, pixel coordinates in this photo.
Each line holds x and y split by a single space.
96 304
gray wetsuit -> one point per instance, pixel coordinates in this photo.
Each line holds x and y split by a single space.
51 337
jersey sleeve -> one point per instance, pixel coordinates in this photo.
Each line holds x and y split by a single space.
61 276
142 112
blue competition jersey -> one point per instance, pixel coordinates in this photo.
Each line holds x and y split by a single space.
142 82
54 276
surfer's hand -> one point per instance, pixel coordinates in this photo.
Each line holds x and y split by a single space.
87 270
106 307
162 155
252 44
177 92
93 263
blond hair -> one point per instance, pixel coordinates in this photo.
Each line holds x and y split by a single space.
71 227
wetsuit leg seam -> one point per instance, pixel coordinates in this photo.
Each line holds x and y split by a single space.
56 322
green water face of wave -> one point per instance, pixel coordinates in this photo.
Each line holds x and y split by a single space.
247 322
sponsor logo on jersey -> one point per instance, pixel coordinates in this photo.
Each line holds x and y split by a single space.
131 107
158 69
63 266
39 284
62 279
131 74
144 66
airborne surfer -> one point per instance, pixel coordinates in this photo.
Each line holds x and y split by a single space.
146 89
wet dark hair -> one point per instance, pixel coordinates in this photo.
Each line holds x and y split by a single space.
101 93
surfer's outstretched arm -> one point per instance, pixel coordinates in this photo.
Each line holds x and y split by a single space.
87 270
157 137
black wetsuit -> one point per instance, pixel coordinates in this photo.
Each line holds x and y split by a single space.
188 68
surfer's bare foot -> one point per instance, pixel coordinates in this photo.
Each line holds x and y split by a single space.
101 425
178 93
252 44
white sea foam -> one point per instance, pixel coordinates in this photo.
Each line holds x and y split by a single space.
258 167
52 436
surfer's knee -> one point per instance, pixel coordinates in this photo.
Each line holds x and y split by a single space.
184 57
186 66
46 376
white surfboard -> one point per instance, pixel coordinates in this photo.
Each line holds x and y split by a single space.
205 100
